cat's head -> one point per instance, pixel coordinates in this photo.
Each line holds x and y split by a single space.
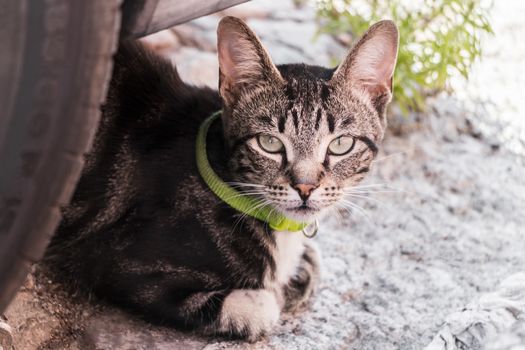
300 136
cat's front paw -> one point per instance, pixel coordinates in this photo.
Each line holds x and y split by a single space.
249 313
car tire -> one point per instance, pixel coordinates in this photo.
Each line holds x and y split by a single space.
55 64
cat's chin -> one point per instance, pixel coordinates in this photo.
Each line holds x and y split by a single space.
302 213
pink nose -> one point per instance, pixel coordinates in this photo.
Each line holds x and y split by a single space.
304 190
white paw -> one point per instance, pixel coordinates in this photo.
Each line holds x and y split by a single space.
249 313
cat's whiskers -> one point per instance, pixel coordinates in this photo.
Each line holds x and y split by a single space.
245 215
336 210
377 186
260 206
269 213
371 185
365 192
370 191
351 213
372 188
244 184
395 154
364 197
240 220
347 203
246 193
252 189
341 206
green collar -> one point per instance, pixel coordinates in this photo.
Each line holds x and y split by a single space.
246 204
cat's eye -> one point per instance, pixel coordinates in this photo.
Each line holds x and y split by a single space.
341 145
270 144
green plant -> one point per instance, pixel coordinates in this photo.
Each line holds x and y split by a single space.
438 38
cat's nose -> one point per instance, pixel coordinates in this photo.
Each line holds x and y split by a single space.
304 190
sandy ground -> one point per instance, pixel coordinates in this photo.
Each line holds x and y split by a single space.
444 226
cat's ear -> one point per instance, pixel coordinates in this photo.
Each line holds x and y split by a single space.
243 61
371 62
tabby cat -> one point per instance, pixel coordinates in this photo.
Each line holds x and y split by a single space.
145 232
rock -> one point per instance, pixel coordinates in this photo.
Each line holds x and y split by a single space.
163 40
511 339
485 319
6 337
296 42
275 10
247 10
197 67
116 330
191 35
208 23
29 283
31 322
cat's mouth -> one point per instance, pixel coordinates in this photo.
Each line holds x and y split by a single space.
304 208
303 212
